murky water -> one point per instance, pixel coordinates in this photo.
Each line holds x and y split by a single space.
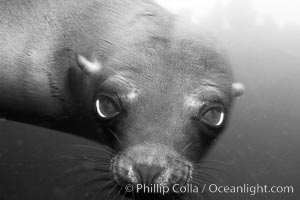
262 142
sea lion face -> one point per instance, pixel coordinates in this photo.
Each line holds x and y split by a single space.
165 104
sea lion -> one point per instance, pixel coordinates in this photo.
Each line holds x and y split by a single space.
150 86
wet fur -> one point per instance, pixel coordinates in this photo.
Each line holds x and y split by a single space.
39 41
146 48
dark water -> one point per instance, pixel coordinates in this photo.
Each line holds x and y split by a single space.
38 163
260 146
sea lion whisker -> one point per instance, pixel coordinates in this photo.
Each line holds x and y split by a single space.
203 178
199 173
110 191
187 146
118 193
212 161
87 183
107 149
87 158
116 136
208 169
123 195
85 169
99 189
198 182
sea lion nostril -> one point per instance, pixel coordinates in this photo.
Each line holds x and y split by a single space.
124 170
179 172
174 175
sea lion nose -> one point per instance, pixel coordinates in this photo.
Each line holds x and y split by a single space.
163 176
127 171
148 174
151 165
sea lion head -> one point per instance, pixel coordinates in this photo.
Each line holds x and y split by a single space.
164 103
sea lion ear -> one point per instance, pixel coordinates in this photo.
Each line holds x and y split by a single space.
237 89
87 66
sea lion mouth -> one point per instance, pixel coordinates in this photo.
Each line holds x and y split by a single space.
141 171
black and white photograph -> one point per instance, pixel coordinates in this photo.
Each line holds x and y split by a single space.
149 100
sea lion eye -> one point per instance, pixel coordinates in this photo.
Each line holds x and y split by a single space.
106 107
214 116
